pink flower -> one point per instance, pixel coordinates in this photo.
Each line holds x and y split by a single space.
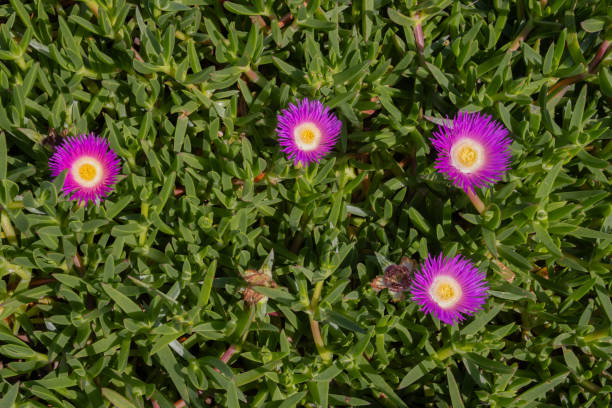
307 131
473 150
92 167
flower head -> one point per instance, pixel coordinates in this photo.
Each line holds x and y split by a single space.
449 288
307 131
92 167
473 150
257 278
397 278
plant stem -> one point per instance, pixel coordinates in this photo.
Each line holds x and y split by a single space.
93 6
325 354
231 350
78 263
507 274
237 346
144 210
283 21
478 204
7 228
259 21
447 352
522 35
255 77
601 52
314 303
419 39
561 86
21 63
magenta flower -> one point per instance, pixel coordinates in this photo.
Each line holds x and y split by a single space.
449 288
473 150
307 131
92 167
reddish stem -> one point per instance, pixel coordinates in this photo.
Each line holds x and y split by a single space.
252 75
283 21
78 263
137 55
259 21
181 403
522 35
593 68
478 204
565 83
231 350
601 52
419 39
41 281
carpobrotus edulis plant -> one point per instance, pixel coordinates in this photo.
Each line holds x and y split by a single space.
92 167
449 288
307 131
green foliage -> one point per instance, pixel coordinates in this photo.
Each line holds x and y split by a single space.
141 298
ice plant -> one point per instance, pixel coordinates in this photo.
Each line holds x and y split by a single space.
307 131
449 288
473 150
92 167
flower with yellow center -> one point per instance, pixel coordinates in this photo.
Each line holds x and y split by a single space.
449 288
473 150
307 131
91 167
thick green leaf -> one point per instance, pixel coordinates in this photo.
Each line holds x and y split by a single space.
117 399
455 394
540 390
125 303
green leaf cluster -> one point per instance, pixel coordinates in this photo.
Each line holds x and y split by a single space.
139 300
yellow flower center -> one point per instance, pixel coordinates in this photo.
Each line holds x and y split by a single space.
445 292
87 172
307 136
467 156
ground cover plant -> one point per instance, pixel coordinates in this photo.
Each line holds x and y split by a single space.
216 270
